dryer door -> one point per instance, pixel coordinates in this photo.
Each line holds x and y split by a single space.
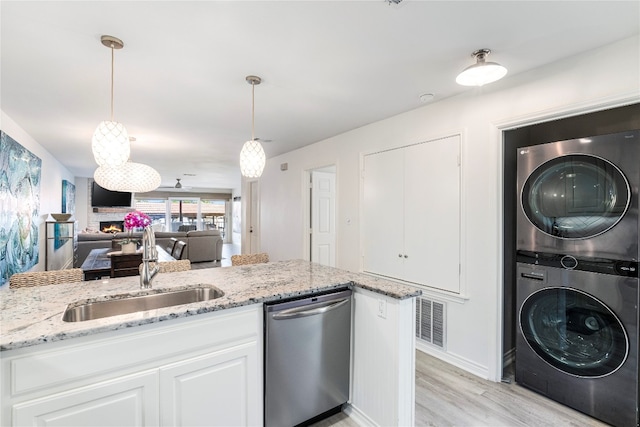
574 332
576 196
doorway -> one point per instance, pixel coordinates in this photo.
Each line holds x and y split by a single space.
322 216
253 221
183 214
591 124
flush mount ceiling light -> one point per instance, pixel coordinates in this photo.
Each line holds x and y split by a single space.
110 143
252 157
481 72
131 177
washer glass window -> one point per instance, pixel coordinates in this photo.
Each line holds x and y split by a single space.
576 196
574 332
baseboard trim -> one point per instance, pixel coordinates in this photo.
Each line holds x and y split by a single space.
455 360
358 416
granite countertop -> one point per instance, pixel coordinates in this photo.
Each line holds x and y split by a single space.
32 316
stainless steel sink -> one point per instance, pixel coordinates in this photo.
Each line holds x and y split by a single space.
127 304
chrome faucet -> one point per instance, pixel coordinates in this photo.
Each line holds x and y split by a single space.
149 254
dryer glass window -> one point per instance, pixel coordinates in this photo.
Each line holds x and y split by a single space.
574 332
576 196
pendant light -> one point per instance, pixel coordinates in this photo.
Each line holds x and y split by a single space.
110 143
131 177
481 72
252 157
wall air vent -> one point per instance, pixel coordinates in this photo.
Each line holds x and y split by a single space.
430 322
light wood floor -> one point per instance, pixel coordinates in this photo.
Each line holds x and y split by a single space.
448 396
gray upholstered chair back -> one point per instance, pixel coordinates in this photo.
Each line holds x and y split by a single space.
171 245
178 249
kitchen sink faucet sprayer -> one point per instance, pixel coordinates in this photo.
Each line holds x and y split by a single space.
149 254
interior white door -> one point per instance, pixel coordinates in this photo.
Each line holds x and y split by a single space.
432 214
253 223
383 213
323 218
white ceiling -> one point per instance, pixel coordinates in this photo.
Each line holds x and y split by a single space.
327 67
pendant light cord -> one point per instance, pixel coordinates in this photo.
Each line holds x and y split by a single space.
112 61
253 112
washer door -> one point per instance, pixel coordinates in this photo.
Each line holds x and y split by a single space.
574 332
576 196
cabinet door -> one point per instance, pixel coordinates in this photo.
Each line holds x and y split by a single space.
432 214
216 389
382 213
126 401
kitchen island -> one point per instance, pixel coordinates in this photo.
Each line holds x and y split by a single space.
155 366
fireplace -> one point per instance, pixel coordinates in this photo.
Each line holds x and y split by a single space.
111 226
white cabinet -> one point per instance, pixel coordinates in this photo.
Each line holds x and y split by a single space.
188 398
203 370
383 213
383 354
126 401
411 213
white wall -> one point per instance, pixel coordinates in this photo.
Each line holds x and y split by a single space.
601 78
82 202
52 174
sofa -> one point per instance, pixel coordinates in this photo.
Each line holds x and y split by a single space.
201 245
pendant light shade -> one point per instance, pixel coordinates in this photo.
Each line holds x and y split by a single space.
481 72
131 177
110 143
252 157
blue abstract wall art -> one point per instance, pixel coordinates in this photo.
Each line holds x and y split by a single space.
20 172
68 197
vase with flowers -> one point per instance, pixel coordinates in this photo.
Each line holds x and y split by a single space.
135 220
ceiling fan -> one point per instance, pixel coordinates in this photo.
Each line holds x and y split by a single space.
177 187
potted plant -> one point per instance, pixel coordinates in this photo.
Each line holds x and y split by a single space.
135 220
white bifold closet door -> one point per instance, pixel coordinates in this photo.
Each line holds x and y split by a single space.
411 214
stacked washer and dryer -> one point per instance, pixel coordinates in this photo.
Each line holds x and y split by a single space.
577 274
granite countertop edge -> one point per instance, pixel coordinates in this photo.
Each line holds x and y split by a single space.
33 316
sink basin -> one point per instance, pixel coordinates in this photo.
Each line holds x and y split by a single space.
126 304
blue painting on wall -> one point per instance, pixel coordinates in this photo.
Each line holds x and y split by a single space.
68 197
19 207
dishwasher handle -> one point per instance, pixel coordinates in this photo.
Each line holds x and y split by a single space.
293 313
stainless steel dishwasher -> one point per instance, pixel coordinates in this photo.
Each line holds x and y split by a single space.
307 350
